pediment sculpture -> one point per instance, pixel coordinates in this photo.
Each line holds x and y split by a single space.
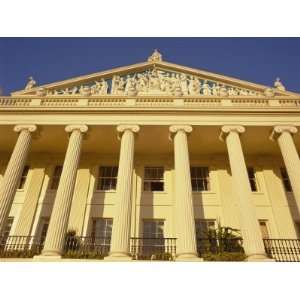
155 82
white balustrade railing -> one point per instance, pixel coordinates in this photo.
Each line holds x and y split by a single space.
147 102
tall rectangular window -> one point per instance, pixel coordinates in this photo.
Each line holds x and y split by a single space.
153 229
153 234
43 228
56 177
252 179
297 225
154 179
285 180
23 178
263 225
203 226
101 231
107 178
7 229
200 179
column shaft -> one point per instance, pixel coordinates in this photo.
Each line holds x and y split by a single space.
252 239
14 171
292 162
186 247
120 240
57 229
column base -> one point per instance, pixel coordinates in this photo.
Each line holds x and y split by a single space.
50 258
188 258
259 258
118 257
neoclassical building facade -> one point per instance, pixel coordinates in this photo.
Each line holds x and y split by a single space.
149 156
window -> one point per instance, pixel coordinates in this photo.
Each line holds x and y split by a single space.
264 228
153 229
107 178
101 231
154 179
153 234
56 177
297 225
7 229
43 229
285 180
252 179
200 179
23 178
203 226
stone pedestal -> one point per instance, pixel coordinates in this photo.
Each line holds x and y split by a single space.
14 171
283 135
57 229
252 238
120 239
186 246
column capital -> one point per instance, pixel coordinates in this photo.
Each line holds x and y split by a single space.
80 127
123 127
185 128
226 129
30 128
278 130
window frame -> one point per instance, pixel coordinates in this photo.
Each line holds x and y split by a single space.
284 180
99 183
206 221
103 240
253 179
207 178
23 178
266 221
55 177
154 180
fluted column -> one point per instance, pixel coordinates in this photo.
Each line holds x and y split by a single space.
252 238
57 229
14 171
284 137
120 239
186 247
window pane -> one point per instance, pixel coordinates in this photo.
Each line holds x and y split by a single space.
285 180
23 177
252 179
154 179
107 179
200 178
264 229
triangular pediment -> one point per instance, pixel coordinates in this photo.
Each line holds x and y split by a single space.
154 77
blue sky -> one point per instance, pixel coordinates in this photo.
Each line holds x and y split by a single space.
258 60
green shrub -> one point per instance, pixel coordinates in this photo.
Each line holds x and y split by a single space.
224 256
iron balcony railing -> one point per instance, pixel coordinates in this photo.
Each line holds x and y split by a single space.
20 246
93 247
283 250
153 248
219 245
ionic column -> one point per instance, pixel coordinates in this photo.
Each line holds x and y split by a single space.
252 238
284 137
186 247
57 229
14 171
120 239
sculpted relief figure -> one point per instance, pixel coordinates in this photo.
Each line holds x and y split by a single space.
142 83
206 88
154 82
30 84
194 86
184 84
